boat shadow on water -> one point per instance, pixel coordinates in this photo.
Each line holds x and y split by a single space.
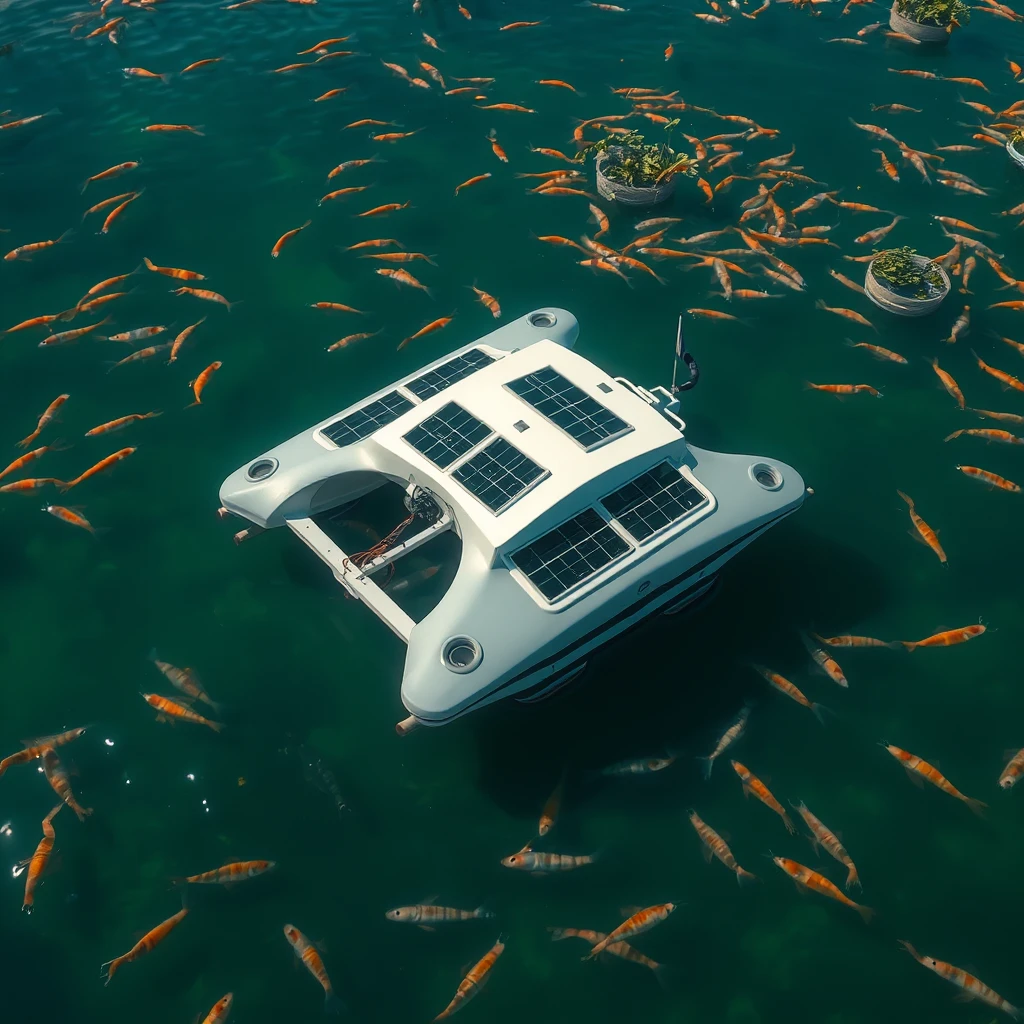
634 702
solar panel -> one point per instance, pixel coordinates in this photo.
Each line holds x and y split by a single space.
653 500
570 553
443 376
498 473
363 422
583 418
447 435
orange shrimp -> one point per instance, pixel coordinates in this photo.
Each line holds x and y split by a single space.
23 251
59 782
232 873
821 836
385 208
492 138
992 479
472 181
307 953
808 879
642 921
434 325
715 846
66 515
752 784
489 301
926 533
951 386
478 974
180 275
403 277
948 638
146 944
169 710
202 293
918 769
783 685
970 986
220 1011
44 420
37 863
100 466
181 339
39 747
279 244
24 460
202 380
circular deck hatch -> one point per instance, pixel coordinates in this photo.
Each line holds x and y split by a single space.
461 654
766 476
261 469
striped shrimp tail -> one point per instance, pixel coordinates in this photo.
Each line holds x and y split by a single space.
819 713
333 1004
706 764
557 934
977 806
745 877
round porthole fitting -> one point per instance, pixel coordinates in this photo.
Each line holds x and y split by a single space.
461 654
261 469
542 320
766 476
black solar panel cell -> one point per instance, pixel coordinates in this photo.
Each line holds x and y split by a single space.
497 474
652 501
569 554
436 380
365 421
447 435
569 407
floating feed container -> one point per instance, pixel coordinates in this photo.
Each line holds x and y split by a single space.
629 195
901 282
928 21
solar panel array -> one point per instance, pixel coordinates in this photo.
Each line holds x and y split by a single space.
652 501
570 553
447 435
443 376
365 421
583 418
498 473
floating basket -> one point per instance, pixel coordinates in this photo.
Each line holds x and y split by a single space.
922 33
1011 152
880 294
627 194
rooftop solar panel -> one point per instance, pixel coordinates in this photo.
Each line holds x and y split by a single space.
570 553
652 501
498 473
363 422
569 407
443 376
447 435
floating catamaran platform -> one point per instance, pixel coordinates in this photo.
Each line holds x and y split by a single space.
579 506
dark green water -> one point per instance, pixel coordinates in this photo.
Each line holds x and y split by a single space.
296 664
